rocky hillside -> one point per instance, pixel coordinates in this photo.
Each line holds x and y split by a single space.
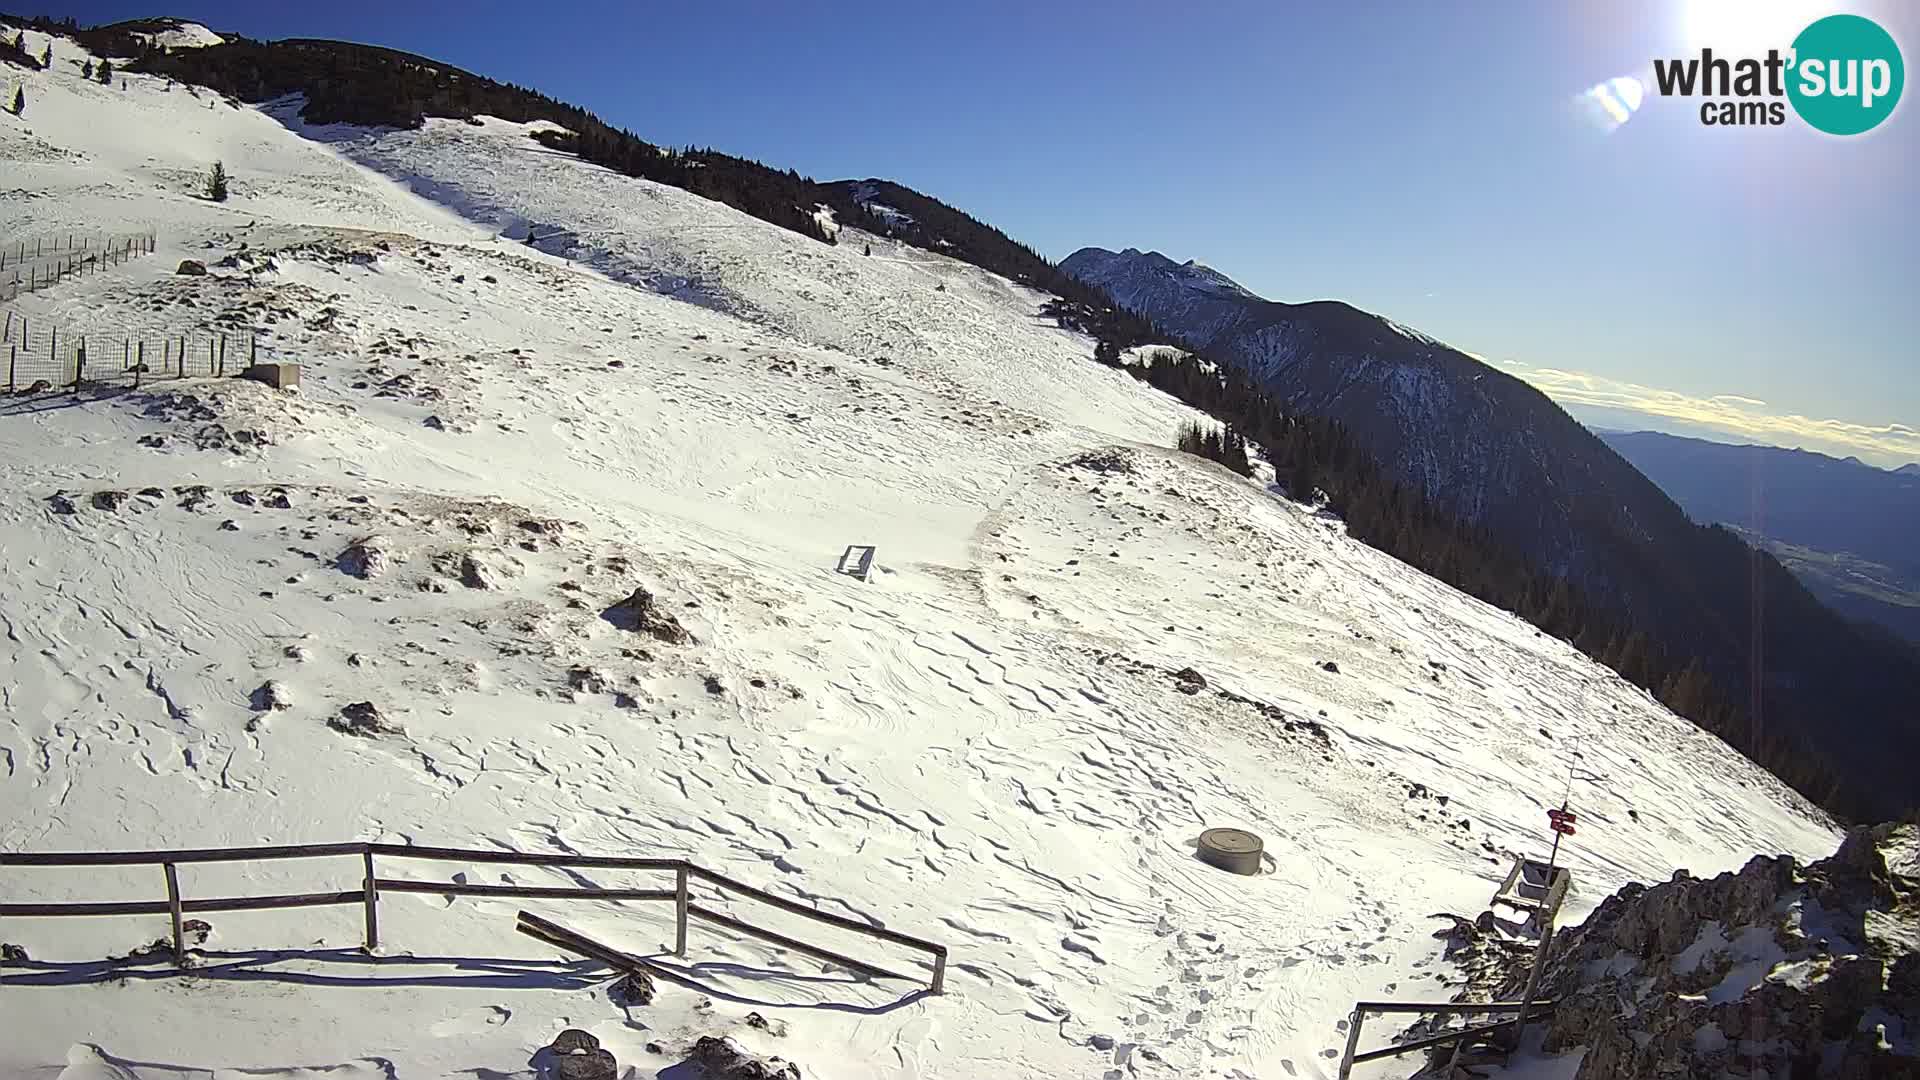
1498 453
1781 969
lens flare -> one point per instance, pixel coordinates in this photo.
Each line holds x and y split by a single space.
1613 103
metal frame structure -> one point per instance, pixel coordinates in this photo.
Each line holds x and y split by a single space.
857 561
1355 1056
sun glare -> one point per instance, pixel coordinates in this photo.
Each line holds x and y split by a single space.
1748 27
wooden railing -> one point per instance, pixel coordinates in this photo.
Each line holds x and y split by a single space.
367 895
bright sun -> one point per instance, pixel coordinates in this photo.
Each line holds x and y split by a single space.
1748 27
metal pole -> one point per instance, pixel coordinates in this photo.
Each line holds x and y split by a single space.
1353 1042
173 905
1533 979
373 901
680 912
1546 934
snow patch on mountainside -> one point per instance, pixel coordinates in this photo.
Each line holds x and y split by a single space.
180 34
868 196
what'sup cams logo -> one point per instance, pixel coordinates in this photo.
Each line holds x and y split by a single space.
1842 75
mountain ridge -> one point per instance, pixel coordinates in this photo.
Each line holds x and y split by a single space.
1500 454
1844 526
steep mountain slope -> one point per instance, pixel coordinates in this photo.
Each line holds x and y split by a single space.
996 743
1496 452
1484 444
1847 529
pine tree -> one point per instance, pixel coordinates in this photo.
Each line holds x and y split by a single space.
19 101
104 73
46 56
217 183
86 70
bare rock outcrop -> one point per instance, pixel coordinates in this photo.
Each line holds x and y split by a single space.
365 559
1779 969
641 614
724 1059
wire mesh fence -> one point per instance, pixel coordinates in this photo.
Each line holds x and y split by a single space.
30 265
46 359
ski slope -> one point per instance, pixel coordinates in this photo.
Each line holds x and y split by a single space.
987 745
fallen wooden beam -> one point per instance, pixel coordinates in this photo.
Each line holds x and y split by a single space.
572 941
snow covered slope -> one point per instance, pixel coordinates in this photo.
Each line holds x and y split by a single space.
995 744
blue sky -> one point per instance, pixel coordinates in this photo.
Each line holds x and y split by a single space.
1427 161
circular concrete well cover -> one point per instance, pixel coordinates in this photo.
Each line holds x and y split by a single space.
1235 850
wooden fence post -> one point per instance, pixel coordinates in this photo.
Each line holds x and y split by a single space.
139 362
80 364
223 355
373 903
173 906
13 354
680 912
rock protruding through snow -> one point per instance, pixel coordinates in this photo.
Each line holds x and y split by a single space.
1780 969
641 614
723 1059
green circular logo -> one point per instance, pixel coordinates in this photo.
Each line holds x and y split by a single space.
1846 76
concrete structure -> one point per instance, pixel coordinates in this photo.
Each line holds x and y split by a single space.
1233 850
278 376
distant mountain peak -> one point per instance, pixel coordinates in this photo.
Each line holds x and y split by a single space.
1909 470
1099 264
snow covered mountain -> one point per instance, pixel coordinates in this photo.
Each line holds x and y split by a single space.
1500 455
1080 648
1482 443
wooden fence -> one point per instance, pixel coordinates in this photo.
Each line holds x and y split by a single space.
371 885
36 354
27 267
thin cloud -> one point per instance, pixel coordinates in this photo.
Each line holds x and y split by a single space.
1733 414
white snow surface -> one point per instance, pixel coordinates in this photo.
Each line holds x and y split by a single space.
984 746
181 34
